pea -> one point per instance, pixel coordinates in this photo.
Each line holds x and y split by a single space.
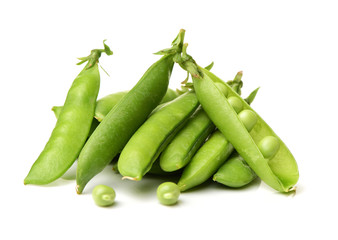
168 193
222 88
248 118
269 146
103 195
236 103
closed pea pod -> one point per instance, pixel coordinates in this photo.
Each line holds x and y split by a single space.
153 136
126 117
281 171
73 125
235 172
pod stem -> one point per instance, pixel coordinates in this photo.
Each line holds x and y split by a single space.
176 45
94 56
237 83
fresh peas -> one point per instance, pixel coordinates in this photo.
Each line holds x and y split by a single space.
280 172
126 117
168 193
103 195
73 125
235 172
154 135
248 118
269 146
236 103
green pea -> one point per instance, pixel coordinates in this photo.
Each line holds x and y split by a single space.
269 146
103 195
236 103
222 88
168 193
248 118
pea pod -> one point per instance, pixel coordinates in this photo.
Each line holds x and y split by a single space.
126 117
73 125
211 155
206 161
235 172
153 136
281 171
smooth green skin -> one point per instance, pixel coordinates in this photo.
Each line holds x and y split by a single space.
206 161
269 146
248 118
103 195
71 129
185 144
281 172
105 104
122 121
168 193
154 135
235 172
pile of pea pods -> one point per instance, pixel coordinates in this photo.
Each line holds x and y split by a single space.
205 130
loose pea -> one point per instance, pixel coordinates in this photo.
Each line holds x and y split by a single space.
269 146
248 118
235 103
168 193
103 195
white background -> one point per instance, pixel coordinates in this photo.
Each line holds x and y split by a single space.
288 48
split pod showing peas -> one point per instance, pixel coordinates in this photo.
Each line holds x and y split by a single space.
126 117
212 154
261 148
73 125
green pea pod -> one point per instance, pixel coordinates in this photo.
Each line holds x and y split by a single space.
206 161
185 144
73 125
235 172
153 136
126 117
280 171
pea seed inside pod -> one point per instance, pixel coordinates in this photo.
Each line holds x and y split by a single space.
236 103
269 146
248 118
222 88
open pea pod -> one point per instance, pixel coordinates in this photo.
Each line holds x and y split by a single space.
279 169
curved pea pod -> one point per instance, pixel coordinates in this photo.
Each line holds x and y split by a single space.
144 147
73 125
280 171
213 153
235 172
126 117
185 144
